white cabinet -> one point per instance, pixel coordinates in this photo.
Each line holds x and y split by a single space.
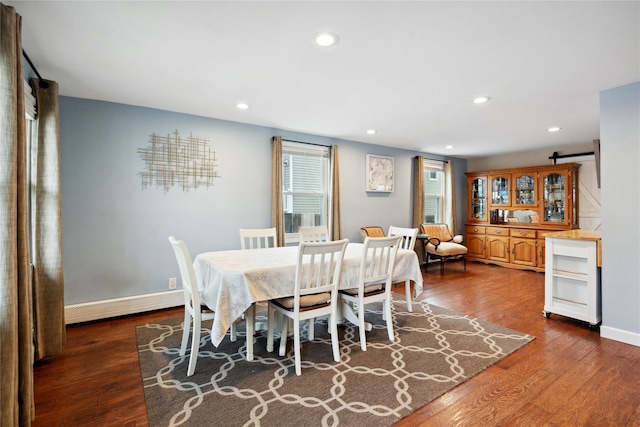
572 277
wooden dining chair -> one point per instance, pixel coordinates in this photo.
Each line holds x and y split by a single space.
256 238
374 284
194 309
317 279
314 234
407 241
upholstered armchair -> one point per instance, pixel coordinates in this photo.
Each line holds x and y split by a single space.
442 245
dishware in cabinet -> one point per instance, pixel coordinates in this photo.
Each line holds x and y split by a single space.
500 191
477 201
525 190
558 188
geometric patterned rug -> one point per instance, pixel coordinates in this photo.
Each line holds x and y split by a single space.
434 350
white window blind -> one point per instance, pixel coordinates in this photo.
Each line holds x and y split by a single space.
29 102
305 182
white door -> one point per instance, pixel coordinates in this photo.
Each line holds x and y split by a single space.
588 192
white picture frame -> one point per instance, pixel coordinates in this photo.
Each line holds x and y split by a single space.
379 174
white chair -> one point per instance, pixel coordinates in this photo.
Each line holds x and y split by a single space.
408 241
196 310
374 284
256 238
314 234
316 294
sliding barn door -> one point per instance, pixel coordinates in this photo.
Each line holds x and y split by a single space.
588 192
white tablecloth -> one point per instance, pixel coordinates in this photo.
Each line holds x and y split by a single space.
230 281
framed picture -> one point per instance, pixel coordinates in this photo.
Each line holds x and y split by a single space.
379 173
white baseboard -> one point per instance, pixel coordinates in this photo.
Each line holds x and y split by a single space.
620 335
105 309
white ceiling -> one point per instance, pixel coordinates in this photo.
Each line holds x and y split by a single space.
408 69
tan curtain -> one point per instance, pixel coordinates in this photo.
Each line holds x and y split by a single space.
335 232
277 213
46 224
16 339
450 197
418 199
418 191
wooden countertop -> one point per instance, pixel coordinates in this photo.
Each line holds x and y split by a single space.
581 235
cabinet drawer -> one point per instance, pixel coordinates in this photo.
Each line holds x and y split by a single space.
474 229
523 232
497 231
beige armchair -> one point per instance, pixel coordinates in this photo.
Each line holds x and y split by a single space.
442 245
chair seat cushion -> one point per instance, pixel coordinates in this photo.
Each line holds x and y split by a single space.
367 289
447 249
305 301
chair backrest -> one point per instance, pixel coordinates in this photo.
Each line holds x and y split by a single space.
408 235
314 234
256 238
439 231
371 231
378 261
187 273
319 268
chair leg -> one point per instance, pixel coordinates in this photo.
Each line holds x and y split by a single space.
234 332
333 327
271 314
185 332
361 327
465 263
407 289
442 265
249 321
311 330
387 308
195 346
296 345
284 331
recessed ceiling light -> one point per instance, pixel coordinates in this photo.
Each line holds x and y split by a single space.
449 147
372 131
481 100
554 129
327 39
242 106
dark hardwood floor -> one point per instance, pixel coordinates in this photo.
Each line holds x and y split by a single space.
568 376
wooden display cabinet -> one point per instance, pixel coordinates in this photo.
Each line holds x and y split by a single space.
544 199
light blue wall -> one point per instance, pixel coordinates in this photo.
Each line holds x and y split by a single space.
115 233
620 180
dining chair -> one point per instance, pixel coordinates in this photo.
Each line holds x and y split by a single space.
195 310
374 284
314 234
317 279
408 241
256 238
371 231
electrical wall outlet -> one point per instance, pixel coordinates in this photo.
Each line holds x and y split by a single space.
172 283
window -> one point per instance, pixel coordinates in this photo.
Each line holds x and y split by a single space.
433 192
305 182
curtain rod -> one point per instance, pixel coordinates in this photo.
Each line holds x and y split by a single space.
33 67
435 160
309 143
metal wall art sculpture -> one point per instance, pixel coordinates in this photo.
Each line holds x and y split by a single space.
170 161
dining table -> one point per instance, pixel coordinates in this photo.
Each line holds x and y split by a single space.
231 281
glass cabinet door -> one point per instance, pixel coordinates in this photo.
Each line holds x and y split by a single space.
500 191
553 188
525 190
477 199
